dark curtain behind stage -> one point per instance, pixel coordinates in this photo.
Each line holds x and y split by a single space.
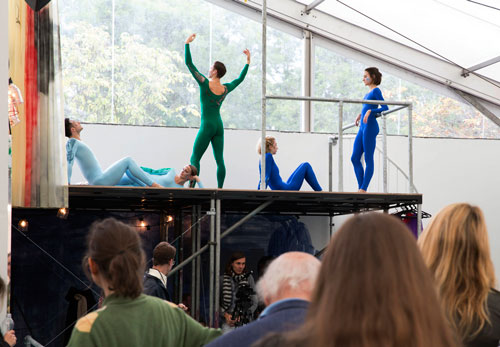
46 260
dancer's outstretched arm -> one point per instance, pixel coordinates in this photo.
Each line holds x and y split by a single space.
189 61
232 85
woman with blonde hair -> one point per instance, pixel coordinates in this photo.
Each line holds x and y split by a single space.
373 290
455 247
296 179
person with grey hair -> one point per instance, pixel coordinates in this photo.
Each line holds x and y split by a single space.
286 289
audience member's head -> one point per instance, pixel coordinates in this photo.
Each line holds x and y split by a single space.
455 247
115 258
236 264
291 275
373 290
163 257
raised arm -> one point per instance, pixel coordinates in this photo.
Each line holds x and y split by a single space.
232 85
189 61
377 95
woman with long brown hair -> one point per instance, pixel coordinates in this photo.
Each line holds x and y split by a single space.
115 262
456 249
373 290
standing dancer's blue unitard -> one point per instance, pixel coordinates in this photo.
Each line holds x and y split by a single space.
366 139
294 182
92 171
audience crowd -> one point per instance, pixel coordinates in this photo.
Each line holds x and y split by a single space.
375 286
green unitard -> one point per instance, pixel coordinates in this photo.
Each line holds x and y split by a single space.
211 127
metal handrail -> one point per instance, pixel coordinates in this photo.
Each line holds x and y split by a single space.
349 101
340 101
397 168
378 115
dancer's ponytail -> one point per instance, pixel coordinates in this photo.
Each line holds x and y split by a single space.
116 250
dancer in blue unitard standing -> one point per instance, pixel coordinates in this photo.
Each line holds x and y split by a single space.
366 139
296 179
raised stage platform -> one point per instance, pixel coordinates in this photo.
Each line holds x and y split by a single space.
235 201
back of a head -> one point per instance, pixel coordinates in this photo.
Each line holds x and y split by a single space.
116 249
67 127
163 253
374 290
292 272
456 249
220 68
269 142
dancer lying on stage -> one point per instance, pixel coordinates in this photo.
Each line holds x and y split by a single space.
273 178
367 135
166 178
91 169
124 171
212 94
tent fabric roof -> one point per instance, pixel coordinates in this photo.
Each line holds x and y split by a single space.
433 41
464 32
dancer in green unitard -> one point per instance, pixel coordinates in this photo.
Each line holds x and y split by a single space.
212 94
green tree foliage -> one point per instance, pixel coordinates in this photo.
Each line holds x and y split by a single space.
131 71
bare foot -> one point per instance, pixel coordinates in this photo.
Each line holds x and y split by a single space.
361 191
156 185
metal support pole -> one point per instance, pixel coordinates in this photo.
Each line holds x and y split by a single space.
217 260
307 83
244 219
410 148
419 219
341 147
224 234
384 150
193 265
198 264
313 5
180 253
263 102
212 263
330 164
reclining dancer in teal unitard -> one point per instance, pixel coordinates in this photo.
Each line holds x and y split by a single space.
91 169
212 94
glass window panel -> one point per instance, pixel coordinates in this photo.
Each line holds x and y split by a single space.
434 115
143 79
86 59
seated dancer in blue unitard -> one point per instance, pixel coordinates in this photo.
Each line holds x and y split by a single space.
124 171
294 182
366 139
